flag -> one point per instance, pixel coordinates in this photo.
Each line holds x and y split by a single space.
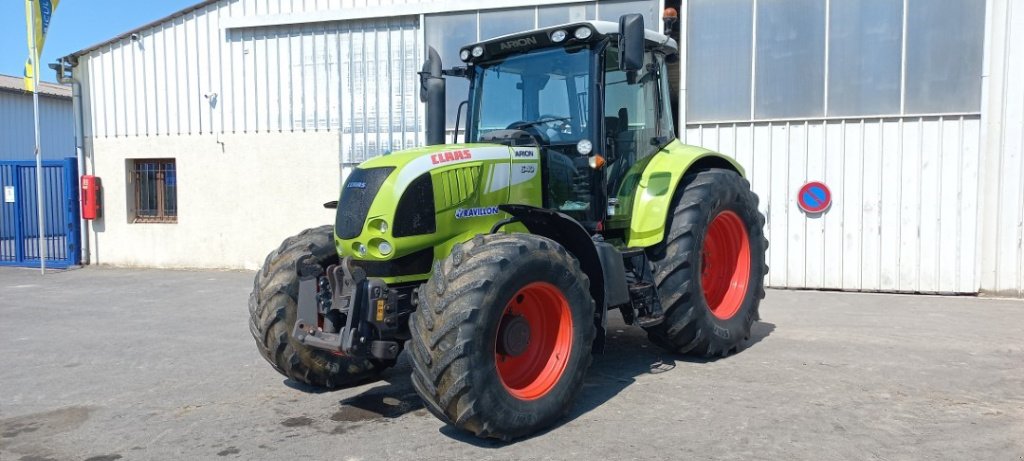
37 18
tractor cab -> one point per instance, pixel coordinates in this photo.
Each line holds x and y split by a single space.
593 97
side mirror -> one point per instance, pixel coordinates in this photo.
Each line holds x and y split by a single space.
631 42
432 92
431 69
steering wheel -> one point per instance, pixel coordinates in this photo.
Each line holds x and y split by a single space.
558 123
538 128
530 128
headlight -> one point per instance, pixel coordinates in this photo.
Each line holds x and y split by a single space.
384 248
379 225
478 51
582 33
361 249
584 146
558 36
464 55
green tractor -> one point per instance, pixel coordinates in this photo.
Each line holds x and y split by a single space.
494 263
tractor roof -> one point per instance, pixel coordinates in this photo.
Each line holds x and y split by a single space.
541 38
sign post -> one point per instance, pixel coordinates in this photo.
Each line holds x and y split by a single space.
39 151
37 15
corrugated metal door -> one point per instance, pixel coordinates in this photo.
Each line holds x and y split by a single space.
784 87
905 199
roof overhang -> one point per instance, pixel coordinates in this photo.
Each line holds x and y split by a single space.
73 56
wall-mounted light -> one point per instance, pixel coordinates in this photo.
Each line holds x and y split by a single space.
135 38
212 98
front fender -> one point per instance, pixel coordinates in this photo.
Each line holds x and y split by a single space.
657 187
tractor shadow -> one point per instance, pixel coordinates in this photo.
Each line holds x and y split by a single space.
628 354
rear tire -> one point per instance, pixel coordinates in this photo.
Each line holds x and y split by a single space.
502 335
710 268
272 311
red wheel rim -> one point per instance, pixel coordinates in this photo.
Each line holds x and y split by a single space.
531 373
725 264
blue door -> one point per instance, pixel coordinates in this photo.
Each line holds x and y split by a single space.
19 222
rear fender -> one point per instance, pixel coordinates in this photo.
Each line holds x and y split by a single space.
658 184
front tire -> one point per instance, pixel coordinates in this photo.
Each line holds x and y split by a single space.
502 335
272 310
710 268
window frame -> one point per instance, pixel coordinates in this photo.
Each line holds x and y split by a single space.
162 215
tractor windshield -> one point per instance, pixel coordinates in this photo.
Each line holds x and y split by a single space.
544 93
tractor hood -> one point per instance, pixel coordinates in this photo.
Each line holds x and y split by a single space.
412 163
397 210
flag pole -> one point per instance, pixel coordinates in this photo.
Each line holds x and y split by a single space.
39 152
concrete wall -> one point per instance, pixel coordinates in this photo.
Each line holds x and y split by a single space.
239 196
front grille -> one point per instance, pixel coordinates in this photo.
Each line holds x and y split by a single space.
416 263
457 185
415 212
356 197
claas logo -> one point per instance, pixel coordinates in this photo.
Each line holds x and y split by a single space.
450 156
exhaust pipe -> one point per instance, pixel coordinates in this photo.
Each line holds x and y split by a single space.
432 92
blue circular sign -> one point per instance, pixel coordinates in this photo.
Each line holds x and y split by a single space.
814 197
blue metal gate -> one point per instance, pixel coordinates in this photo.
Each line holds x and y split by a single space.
19 222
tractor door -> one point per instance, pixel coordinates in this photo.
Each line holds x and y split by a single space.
638 122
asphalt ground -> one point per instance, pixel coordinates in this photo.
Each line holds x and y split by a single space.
104 364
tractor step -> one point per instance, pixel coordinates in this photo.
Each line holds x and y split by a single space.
632 252
646 304
650 321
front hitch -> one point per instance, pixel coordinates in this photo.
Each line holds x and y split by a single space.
363 303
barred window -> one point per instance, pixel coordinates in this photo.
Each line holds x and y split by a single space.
156 191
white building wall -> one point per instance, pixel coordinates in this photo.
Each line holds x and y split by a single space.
258 102
258 120
192 75
282 89
17 131
1002 223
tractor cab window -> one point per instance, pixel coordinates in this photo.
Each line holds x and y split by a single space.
635 114
541 98
542 93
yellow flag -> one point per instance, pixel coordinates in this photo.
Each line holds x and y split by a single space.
37 18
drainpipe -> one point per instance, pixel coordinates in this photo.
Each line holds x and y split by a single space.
76 111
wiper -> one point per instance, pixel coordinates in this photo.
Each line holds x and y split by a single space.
543 120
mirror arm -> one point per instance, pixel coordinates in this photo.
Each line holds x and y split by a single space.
459 71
